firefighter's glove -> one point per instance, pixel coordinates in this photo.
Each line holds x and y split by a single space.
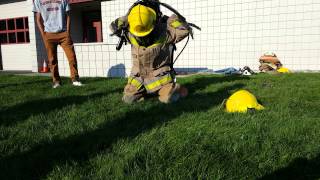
118 26
179 24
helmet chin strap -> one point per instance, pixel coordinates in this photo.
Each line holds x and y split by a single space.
148 39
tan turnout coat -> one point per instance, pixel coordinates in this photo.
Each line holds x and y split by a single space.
151 66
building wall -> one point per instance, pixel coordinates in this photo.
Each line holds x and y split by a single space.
234 33
96 59
16 56
37 48
15 9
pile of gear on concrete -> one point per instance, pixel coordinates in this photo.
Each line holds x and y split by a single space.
269 63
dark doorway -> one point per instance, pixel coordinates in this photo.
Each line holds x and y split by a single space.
92 28
86 21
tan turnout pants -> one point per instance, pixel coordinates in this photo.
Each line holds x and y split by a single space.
51 41
167 94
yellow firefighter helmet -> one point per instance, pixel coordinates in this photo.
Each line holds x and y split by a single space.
141 20
283 70
241 101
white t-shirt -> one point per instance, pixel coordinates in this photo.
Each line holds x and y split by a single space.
53 13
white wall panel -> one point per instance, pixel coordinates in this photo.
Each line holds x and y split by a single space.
16 9
16 57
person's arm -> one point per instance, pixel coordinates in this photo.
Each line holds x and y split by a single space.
39 20
68 22
40 23
68 14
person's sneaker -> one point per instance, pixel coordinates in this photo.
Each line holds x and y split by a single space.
56 85
77 83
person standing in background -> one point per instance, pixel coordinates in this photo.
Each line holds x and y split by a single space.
53 21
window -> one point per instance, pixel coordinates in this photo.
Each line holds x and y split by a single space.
3 25
10 24
92 28
15 30
3 38
19 23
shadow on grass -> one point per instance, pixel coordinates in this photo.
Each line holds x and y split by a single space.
30 81
40 161
21 112
300 168
24 84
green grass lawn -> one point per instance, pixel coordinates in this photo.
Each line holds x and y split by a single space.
88 133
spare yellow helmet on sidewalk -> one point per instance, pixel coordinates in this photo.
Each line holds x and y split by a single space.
241 101
283 70
141 20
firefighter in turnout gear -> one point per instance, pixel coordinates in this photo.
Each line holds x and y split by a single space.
152 37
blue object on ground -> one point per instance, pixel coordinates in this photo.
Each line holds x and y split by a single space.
230 70
226 71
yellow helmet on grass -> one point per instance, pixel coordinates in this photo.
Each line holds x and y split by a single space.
241 101
141 20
